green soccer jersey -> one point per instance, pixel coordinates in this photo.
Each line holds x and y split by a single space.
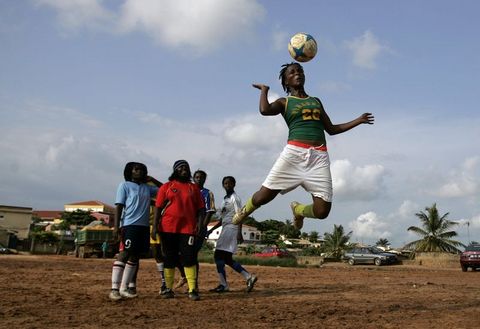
302 116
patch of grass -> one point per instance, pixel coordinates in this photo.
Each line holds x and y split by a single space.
207 257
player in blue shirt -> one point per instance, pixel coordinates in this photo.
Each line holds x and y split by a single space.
131 226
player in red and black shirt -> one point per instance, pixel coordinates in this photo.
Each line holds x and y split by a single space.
178 210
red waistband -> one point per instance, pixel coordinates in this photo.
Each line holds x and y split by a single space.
307 146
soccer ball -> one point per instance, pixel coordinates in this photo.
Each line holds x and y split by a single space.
302 47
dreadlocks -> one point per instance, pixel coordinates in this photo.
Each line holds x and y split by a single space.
127 172
282 75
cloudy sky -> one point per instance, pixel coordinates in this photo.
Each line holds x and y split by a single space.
88 85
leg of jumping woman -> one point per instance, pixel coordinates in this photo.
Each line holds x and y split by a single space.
259 198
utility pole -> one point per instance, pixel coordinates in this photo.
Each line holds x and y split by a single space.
468 232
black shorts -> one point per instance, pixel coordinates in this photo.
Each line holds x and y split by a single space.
136 239
200 239
178 248
226 256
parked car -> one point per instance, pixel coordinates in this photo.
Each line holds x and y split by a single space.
4 250
273 252
470 257
370 255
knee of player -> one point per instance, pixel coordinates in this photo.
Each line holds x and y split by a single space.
134 258
322 213
122 257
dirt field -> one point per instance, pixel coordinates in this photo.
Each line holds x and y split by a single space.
66 292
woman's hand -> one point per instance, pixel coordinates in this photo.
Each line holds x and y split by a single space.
261 86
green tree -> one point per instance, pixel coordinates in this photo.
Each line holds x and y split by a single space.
251 222
45 237
382 243
311 251
313 236
34 225
288 230
435 233
304 235
270 237
77 217
336 242
270 225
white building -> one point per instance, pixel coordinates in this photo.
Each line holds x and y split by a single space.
92 206
250 234
16 219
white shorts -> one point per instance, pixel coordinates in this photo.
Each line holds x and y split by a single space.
306 167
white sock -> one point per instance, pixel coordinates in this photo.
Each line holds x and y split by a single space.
160 269
223 280
117 273
128 274
246 275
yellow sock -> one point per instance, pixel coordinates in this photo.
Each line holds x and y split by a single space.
249 206
191 275
169 276
305 210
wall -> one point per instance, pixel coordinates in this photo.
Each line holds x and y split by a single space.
16 219
310 260
437 259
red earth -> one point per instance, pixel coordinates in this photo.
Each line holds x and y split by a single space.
68 292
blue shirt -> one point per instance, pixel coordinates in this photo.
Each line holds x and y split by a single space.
208 199
136 200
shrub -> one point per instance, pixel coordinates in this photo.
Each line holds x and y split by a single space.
310 251
267 261
45 237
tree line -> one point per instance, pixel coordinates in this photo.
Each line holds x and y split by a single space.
436 233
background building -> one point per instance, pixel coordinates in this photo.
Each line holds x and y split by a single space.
250 234
14 224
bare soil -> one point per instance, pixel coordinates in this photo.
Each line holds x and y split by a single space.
67 292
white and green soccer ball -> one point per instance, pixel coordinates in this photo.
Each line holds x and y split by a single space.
302 47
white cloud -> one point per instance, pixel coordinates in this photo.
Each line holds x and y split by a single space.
61 149
365 50
359 183
369 226
461 182
280 40
200 26
75 14
203 25
272 96
407 210
255 131
475 221
48 113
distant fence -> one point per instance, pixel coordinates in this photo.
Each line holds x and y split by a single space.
44 248
437 259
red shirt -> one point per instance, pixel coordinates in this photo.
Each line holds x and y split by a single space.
180 216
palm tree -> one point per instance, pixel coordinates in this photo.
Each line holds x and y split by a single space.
289 230
336 242
313 237
436 234
382 243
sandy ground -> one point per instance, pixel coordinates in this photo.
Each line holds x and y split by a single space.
67 292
